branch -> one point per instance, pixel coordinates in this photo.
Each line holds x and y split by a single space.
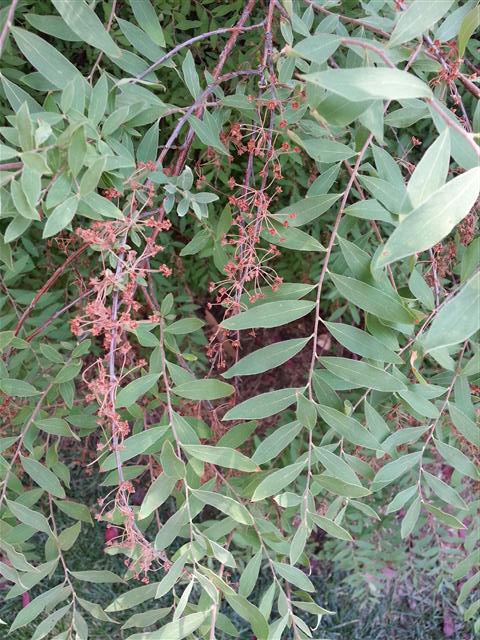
237 30
49 283
8 24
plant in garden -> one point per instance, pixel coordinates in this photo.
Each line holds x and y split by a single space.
239 282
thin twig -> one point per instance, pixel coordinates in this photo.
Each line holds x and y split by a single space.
8 24
49 283
191 41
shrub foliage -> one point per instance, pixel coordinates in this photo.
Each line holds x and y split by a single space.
240 283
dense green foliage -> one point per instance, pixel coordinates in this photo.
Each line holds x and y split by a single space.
239 293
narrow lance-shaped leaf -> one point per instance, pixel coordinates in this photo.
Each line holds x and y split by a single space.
263 406
266 358
370 83
270 314
223 456
362 374
362 343
432 220
83 21
43 476
277 481
431 172
45 58
135 389
457 320
203 390
418 17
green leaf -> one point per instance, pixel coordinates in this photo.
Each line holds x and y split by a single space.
327 151
43 476
22 205
97 577
411 518
290 238
102 206
45 58
446 518
49 623
148 147
146 17
68 536
457 320
417 18
171 528
91 177
456 459
444 491
83 21
94 610
222 456
249 576
307 210
349 428
341 488
317 48
362 374
266 358
362 343
421 290
34 608
135 445
178 629
276 442
17 388
373 300
74 510
171 576
68 372
172 465
331 527
470 23
294 576
249 612
306 412
431 172
159 491
29 517
98 100
237 435
396 468
263 405
146 619
401 499
203 390
464 424
270 314
183 326
277 481
196 244
336 466
390 195
370 83
225 504
299 541
208 131
135 389
190 75
133 597
61 217
53 26
432 220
